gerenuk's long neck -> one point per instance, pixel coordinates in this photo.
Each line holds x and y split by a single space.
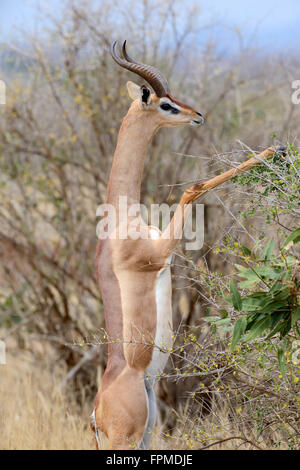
128 163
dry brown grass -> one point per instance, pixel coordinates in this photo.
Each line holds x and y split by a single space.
35 413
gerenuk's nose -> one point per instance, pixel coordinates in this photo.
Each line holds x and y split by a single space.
199 121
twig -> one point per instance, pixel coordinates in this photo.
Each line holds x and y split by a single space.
229 439
89 355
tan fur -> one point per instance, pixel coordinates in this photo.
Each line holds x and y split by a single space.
127 272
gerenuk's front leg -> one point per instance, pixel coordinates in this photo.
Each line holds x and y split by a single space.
173 233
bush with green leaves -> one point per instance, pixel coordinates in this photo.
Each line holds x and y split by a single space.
266 294
274 309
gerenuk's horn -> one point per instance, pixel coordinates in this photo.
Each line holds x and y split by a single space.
153 76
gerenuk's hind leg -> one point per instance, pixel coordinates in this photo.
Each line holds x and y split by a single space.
122 411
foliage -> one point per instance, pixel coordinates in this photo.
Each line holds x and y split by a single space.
268 281
272 279
277 308
264 296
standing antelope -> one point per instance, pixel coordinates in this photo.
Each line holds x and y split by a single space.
134 274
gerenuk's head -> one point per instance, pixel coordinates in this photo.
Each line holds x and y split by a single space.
160 105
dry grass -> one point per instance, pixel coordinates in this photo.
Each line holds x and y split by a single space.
34 411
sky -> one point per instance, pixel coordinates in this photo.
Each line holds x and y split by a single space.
275 22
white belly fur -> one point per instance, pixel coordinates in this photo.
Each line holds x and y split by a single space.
164 332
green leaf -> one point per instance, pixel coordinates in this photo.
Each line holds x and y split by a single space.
265 272
15 318
224 313
248 274
283 294
223 321
246 250
277 288
241 268
8 302
239 329
267 251
275 318
274 306
286 326
211 319
226 329
293 237
295 316
248 284
253 302
281 360
235 296
277 325
253 318
269 273
258 328
278 328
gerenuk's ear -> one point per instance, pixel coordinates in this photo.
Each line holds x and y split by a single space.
134 90
139 92
145 94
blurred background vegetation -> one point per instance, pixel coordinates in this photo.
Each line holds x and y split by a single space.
65 102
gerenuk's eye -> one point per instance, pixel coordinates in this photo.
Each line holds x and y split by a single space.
165 106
